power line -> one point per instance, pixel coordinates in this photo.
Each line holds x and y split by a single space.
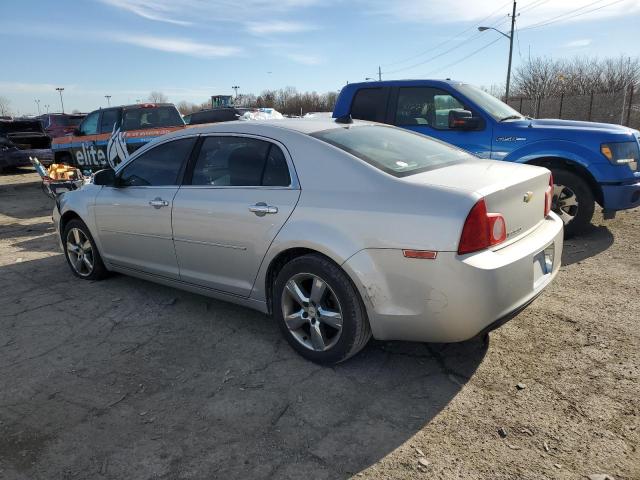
568 15
449 50
465 57
533 5
449 40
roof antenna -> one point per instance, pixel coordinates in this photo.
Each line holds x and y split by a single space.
345 119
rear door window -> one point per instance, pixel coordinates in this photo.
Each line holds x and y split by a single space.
370 104
108 120
151 117
240 162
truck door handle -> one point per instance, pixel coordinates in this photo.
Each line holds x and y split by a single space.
158 203
261 209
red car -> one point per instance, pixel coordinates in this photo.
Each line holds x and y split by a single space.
60 124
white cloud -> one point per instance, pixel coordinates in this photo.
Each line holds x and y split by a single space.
582 42
532 11
304 59
266 28
177 45
203 11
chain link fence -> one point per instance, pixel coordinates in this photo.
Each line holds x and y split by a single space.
621 107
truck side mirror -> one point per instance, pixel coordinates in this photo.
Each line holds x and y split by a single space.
77 132
106 177
463 120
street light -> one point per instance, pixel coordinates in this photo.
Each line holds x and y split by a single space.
60 90
46 106
38 104
510 37
368 78
108 97
235 88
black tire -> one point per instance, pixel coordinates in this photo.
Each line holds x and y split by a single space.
355 332
99 271
585 202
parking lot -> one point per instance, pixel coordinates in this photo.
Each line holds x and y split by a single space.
127 379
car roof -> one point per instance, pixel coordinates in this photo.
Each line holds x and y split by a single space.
306 126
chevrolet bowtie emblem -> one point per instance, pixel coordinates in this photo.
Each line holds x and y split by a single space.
527 197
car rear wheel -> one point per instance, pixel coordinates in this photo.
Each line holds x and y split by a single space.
319 310
572 201
81 252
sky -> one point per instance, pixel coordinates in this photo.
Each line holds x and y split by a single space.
193 49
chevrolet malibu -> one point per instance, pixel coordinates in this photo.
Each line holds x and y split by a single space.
341 230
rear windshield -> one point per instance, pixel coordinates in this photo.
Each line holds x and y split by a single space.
151 117
67 121
393 150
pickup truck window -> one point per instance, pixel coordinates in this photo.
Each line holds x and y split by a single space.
393 150
90 124
370 104
109 119
151 117
425 106
490 104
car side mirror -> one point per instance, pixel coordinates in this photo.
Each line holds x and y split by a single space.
106 177
77 131
463 120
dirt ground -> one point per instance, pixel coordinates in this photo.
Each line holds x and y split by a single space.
125 379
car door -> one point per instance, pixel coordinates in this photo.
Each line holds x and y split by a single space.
109 123
426 110
240 192
134 217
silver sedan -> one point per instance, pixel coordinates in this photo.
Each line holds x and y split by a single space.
339 230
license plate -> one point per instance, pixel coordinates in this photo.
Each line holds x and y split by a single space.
543 264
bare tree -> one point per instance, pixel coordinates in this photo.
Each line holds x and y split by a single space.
158 97
544 77
4 106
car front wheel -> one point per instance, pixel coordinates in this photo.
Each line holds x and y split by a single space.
319 310
81 252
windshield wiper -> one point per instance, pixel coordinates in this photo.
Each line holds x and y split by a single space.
511 117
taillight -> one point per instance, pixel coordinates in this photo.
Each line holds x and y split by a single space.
548 196
481 229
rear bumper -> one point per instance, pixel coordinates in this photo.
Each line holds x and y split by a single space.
622 196
20 158
453 298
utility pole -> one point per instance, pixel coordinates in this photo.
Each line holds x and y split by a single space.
379 74
510 37
513 25
38 104
60 90
235 89
108 97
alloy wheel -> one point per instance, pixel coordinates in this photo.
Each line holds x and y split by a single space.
312 311
564 203
80 252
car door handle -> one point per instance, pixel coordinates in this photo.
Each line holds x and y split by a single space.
158 203
261 209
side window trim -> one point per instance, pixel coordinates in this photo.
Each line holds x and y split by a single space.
293 175
181 173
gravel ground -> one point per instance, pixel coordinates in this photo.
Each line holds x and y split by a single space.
126 379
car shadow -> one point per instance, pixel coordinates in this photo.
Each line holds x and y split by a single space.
595 240
128 379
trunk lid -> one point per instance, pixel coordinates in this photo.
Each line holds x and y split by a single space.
515 191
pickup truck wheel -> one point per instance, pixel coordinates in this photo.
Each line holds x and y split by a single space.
319 310
81 252
573 201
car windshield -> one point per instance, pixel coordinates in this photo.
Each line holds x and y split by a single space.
490 104
151 117
395 151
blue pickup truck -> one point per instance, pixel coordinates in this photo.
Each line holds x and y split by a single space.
591 162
